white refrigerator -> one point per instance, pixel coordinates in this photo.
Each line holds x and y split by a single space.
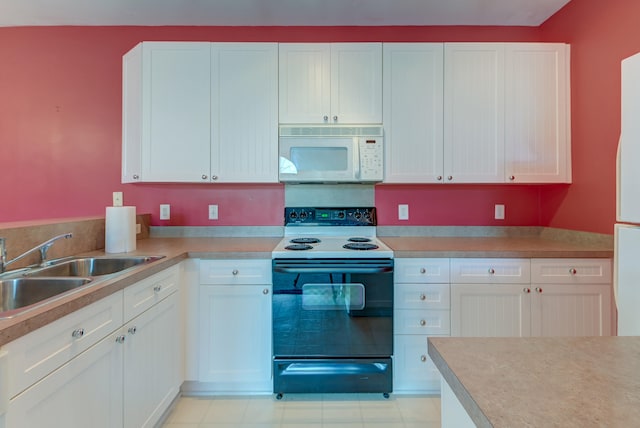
627 229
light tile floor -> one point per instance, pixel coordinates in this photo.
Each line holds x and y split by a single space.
306 411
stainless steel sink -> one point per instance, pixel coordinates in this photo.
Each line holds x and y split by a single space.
20 293
90 266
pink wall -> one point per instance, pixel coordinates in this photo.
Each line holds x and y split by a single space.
601 34
60 134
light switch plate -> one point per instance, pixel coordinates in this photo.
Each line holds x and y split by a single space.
213 212
499 212
117 199
403 212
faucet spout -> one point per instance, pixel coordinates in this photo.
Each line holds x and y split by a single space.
42 248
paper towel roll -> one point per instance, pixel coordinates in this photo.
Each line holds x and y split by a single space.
120 230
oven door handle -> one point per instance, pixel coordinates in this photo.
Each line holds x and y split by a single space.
333 269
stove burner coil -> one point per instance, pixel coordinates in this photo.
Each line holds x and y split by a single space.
360 246
359 239
305 241
298 247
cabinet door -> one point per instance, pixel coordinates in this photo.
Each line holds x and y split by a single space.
84 392
537 137
474 112
244 125
176 81
487 310
356 83
305 82
151 363
571 310
413 100
235 337
413 370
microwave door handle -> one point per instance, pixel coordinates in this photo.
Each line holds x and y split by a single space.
356 156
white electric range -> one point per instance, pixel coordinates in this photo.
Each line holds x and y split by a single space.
325 233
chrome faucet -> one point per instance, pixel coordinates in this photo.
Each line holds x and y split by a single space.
43 248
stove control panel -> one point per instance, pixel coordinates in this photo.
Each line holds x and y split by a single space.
362 216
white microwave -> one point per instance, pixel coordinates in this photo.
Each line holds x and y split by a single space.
331 154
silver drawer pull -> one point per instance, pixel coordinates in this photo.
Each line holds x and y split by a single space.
422 296
573 271
157 288
132 330
78 333
120 339
539 289
265 291
423 270
235 272
492 271
423 323
423 358
526 290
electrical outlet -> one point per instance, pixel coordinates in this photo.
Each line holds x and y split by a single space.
499 212
165 211
117 199
213 212
403 212
138 228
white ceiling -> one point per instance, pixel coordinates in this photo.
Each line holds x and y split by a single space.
277 12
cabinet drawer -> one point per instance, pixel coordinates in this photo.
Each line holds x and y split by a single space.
142 295
415 321
571 271
490 271
35 355
421 296
421 271
230 272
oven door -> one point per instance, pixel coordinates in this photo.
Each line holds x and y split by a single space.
317 159
338 308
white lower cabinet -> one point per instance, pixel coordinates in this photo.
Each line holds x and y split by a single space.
88 369
554 297
235 326
84 392
421 309
151 363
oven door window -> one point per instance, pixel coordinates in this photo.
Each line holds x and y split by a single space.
327 297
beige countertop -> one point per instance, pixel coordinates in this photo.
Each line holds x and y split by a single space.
177 249
543 381
526 247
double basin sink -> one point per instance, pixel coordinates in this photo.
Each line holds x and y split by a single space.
26 289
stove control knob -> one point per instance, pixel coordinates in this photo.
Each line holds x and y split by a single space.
303 215
357 215
367 215
341 214
293 215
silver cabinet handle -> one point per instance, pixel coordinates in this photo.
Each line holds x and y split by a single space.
234 272
157 288
132 330
423 270
439 178
335 118
77 333
539 290
120 339
265 291
450 177
422 296
423 358
326 118
423 323
526 290
492 271
136 176
512 177
573 271
204 176
214 177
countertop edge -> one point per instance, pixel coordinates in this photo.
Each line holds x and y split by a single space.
466 400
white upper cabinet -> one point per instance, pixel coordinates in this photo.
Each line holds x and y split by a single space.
166 112
537 135
474 112
339 83
413 100
200 112
244 126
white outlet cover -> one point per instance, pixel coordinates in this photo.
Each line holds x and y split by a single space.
213 212
403 212
165 211
499 212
